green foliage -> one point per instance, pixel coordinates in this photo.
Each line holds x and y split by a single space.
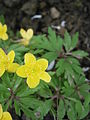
67 95
19 51
2 20
67 41
61 110
49 45
79 53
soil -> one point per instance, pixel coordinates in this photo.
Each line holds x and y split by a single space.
75 13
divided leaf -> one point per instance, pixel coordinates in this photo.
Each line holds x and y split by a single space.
51 45
74 41
67 41
78 108
61 110
79 53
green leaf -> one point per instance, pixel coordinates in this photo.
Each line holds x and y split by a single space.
72 60
52 45
52 37
37 51
9 103
18 81
18 48
30 102
61 110
17 107
80 53
85 111
45 92
87 100
44 43
59 43
6 80
23 90
13 46
55 82
60 67
71 113
69 73
67 41
3 88
77 69
29 113
80 80
4 92
21 49
79 108
2 19
74 40
60 62
53 113
85 87
67 90
50 56
44 108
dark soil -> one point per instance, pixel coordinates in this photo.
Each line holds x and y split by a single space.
76 13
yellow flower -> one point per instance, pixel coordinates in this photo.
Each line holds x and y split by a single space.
3 30
4 115
26 35
33 70
6 62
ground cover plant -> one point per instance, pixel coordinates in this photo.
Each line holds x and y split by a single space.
41 74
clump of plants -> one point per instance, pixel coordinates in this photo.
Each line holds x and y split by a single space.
41 74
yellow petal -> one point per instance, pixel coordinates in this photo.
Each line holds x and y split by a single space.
2 55
29 59
33 81
1 111
45 77
43 64
22 71
5 36
11 56
2 69
12 67
4 28
23 33
6 116
29 34
26 35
